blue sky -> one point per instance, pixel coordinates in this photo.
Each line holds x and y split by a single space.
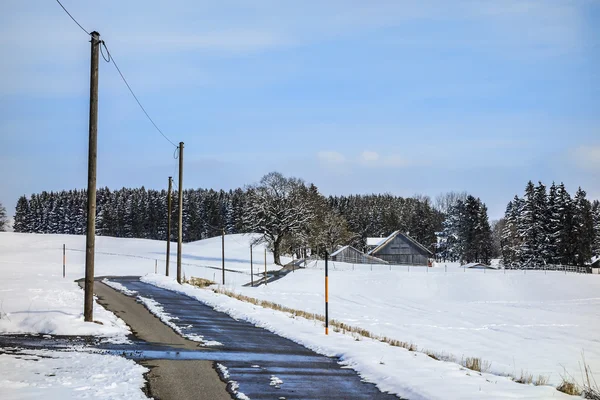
406 97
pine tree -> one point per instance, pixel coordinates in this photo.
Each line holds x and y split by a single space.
563 237
596 221
3 218
527 229
554 226
483 233
511 241
583 228
22 215
542 219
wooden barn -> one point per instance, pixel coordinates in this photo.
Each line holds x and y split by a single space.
349 254
399 248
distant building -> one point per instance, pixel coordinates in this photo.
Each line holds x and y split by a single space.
477 265
399 248
349 254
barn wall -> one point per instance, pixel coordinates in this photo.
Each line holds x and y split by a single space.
401 251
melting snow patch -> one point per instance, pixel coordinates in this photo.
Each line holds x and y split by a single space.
276 382
158 310
232 384
223 370
119 287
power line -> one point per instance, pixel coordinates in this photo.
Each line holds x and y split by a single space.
74 20
111 58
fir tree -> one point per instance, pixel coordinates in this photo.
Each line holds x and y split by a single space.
22 213
3 218
583 228
596 222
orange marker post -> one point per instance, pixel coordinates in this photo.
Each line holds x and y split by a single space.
326 295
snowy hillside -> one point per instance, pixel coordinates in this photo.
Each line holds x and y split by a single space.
36 298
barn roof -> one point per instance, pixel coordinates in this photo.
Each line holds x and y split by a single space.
338 251
478 265
386 240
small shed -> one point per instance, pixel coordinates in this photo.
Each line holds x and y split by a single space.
476 265
349 254
399 248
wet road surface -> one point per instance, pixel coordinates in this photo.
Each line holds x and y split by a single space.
255 358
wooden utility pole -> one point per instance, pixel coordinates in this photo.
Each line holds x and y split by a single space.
88 302
223 254
180 218
169 224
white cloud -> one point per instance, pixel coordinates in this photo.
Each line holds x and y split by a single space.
369 157
331 157
587 157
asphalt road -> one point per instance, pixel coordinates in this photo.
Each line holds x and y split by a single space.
167 379
255 358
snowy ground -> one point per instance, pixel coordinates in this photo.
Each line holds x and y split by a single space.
43 374
35 298
534 322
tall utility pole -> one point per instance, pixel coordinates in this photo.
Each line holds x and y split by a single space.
223 255
88 301
180 219
169 224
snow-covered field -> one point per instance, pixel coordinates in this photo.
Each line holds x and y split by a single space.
535 322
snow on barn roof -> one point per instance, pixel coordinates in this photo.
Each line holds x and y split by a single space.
374 241
338 251
477 265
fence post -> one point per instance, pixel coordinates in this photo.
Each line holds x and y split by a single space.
156 266
251 269
64 259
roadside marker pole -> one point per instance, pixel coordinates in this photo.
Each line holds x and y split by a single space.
326 295
156 266
265 266
64 258
223 254
251 269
